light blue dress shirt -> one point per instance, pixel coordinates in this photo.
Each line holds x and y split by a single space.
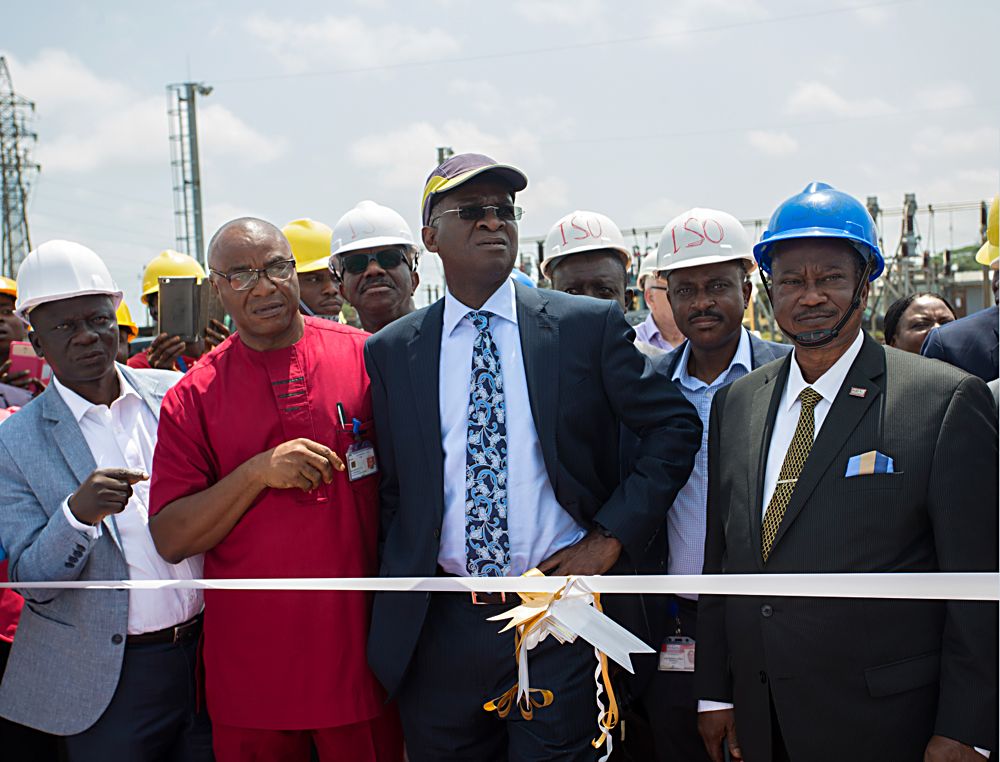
537 524
686 518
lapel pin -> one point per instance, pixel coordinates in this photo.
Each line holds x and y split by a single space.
858 391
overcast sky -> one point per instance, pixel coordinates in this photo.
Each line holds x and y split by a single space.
635 109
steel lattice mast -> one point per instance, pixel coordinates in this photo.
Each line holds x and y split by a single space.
17 170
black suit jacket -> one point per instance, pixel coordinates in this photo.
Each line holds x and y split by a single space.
585 378
856 679
970 343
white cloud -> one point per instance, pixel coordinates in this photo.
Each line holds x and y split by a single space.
215 215
772 143
545 200
814 99
91 122
873 16
680 25
346 41
55 79
478 94
402 158
936 141
944 95
561 12
659 211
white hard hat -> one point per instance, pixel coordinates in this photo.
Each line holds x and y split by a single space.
648 268
62 270
703 237
368 225
579 232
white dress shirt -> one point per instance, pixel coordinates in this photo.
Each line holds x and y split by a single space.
537 525
124 436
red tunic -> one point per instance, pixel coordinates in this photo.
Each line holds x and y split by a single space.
10 607
274 659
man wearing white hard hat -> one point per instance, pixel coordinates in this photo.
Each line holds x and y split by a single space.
659 328
705 258
375 258
585 254
111 670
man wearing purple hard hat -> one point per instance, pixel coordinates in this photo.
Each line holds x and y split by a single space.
497 413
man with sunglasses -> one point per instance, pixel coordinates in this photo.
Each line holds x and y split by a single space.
374 257
250 469
497 411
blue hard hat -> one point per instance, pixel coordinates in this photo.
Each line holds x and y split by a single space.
523 278
822 211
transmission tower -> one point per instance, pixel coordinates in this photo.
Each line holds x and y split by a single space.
184 167
17 169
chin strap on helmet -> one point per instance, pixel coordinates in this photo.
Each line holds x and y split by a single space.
822 337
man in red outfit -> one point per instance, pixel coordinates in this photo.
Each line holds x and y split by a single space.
249 470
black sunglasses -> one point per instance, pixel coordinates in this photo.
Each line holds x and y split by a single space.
355 264
505 212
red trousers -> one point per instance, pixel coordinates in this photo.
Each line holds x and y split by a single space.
378 740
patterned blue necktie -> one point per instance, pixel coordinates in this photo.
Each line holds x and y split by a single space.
487 544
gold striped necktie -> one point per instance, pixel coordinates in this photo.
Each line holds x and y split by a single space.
795 458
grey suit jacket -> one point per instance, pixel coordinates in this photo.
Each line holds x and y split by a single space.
67 654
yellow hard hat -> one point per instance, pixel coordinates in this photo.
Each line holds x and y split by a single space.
989 252
168 263
310 242
125 320
8 286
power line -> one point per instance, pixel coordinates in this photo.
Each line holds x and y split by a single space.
104 192
566 47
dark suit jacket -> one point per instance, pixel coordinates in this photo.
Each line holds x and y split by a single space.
761 353
585 378
970 343
856 679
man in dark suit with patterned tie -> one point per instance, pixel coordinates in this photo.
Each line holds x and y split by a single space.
497 414
847 456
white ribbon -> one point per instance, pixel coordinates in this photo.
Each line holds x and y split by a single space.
970 586
570 616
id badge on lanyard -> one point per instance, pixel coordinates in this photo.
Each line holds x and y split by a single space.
676 651
361 461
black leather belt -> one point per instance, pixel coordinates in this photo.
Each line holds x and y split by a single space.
179 633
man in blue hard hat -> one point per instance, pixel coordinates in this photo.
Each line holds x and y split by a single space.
846 456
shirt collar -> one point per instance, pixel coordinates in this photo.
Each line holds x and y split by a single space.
827 385
742 358
652 330
502 303
79 406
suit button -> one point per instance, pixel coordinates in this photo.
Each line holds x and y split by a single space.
116 639
437 534
68 565
766 610
763 676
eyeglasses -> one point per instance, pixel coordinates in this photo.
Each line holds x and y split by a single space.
357 263
504 212
244 280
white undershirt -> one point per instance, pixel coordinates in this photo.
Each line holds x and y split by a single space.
124 436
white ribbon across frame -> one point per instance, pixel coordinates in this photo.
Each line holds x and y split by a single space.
958 586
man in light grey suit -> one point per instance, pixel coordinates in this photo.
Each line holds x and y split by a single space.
111 670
